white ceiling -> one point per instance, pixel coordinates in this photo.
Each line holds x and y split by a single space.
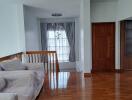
102 0
69 8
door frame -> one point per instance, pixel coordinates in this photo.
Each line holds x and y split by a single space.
114 23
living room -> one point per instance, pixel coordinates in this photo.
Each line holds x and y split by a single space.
94 43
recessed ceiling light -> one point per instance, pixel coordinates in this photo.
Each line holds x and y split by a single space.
56 14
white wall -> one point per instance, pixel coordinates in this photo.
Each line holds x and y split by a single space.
32 33
124 9
21 28
86 38
11 28
104 11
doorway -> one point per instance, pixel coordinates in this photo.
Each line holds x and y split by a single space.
103 46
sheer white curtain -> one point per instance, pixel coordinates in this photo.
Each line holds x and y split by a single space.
61 38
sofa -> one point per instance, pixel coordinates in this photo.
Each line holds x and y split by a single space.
20 81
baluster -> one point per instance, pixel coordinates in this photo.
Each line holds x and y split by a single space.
53 61
50 62
47 58
38 57
44 62
32 58
28 58
57 63
41 58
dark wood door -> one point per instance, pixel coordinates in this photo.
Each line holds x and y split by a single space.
122 44
126 45
103 43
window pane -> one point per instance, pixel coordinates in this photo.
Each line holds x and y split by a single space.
65 57
66 50
61 59
51 34
52 48
61 50
64 34
51 42
58 50
65 42
57 41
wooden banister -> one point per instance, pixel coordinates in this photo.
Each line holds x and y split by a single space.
10 57
48 58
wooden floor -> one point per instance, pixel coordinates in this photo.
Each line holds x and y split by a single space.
100 86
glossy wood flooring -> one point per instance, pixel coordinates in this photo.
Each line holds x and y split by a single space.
100 86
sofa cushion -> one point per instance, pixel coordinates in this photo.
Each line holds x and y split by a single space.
34 66
11 62
26 83
2 83
22 84
8 96
13 68
12 65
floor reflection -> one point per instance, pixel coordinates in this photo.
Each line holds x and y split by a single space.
117 86
99 86
59 81
56 81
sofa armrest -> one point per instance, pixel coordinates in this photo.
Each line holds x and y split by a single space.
8 96
34 66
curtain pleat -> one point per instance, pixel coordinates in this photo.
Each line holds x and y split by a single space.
70 33
44 41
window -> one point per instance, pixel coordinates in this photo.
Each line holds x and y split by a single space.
57 41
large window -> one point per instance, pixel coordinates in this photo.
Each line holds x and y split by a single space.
57 41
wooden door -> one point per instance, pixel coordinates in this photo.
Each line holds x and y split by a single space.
122 44
103 43
126 45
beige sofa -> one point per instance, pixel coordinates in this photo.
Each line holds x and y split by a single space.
8 96
20 81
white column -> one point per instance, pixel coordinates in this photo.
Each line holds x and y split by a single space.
117 46
86 37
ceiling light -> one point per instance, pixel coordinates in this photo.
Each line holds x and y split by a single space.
56 14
